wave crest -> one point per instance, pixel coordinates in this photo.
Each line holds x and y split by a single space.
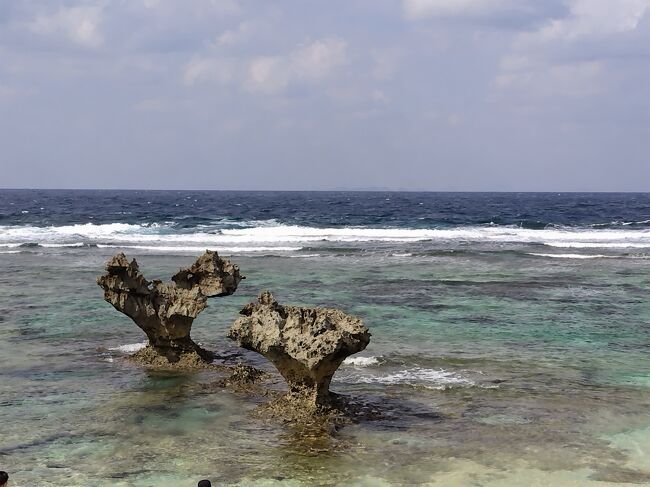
437 379
264 234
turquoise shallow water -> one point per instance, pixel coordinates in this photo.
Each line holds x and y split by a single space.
496 368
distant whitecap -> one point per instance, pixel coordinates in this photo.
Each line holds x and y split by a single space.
266 234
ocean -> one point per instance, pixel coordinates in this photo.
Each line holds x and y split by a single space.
510 338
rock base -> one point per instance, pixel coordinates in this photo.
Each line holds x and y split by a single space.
168 358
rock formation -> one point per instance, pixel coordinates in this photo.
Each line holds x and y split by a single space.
306 345
165 311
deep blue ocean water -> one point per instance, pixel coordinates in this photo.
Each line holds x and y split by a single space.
510 341
188 209
290 222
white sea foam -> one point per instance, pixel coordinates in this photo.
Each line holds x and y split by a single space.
54 245
575 256
269 233
304 256
600 245
361 361
180 248
129 347
438 379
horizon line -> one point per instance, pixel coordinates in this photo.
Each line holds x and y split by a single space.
339 190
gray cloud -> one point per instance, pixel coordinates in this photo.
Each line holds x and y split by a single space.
414 94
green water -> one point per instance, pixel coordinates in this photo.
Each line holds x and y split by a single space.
493 369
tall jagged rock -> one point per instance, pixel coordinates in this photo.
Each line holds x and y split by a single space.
165 311
306 345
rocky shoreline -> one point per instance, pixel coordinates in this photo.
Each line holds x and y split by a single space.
306 345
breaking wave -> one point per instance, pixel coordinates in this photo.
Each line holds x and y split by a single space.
129 347
574 256
181 248
267 235
361 361
438 379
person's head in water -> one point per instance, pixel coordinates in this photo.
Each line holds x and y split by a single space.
202 483
4 479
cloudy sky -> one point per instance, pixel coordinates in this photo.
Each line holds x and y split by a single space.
338 94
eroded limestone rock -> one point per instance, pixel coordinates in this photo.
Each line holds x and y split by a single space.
165 311
306 345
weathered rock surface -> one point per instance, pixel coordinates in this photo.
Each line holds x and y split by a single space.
165 311
306 345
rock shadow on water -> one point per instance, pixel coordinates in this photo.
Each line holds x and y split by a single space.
309 428
326 432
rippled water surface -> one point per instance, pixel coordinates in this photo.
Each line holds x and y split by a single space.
510 339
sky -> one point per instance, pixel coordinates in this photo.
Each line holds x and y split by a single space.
439 95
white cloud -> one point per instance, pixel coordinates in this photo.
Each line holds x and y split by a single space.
539 79
379 96
541 63
419 9
313 62
243 32
201 7
150 105
13 92
454 120
514 63
585 63
151 3
221 7
386 63
592 18
6 92
269 74
318 59
442 118
78 24
202 69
